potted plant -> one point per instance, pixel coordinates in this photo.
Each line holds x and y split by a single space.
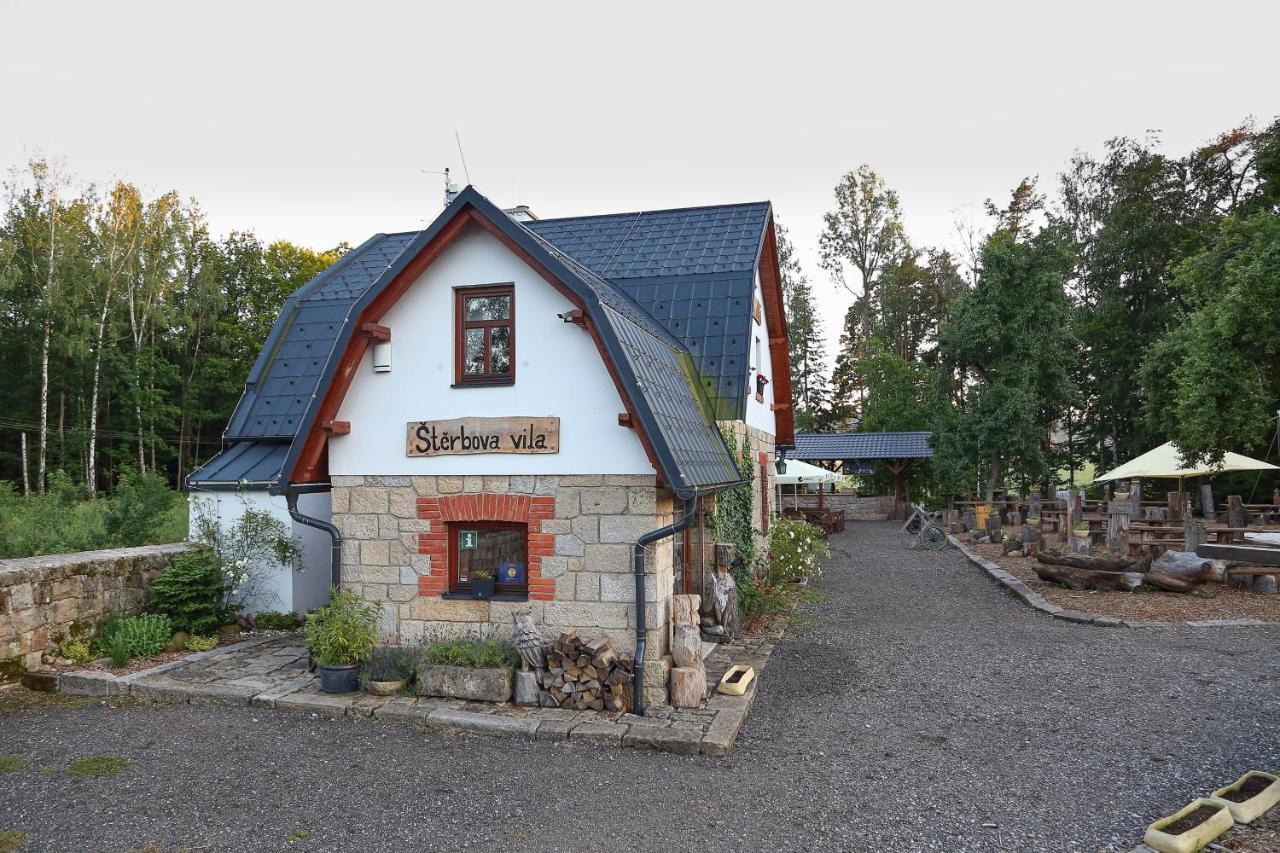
1033 520
471 668
1190 828
341 636
389 669
1250 796
481 580
1081 530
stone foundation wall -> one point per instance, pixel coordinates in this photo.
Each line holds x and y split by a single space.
43 598
856 508
581 529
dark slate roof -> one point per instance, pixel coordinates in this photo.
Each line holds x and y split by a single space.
243 463
302 352
861 445
287 372
647 244
692 269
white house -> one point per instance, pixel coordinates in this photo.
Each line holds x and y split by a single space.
540 399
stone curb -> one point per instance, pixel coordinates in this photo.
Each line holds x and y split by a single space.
662 735
1039 602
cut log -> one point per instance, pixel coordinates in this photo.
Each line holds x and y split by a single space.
1179 571
1097 563
686 645
1077 578
684 609
688 686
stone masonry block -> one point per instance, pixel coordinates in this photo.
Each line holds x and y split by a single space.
586 614
339 500
586 528
605 500
424 487
567 503
521 485
569 545
625 528
607 557
587 585
369 499
449 485
642 501
554 567
374 552
403 502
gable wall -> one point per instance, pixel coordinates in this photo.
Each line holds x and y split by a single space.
558 373
759 415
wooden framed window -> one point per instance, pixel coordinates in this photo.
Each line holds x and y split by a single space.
485 335
498 545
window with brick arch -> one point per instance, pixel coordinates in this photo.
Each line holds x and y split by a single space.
498 545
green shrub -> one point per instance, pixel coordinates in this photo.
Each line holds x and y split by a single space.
141 636
391 663
192 593
202 644
74 649
474 653
143 503
270 620
344 630
795 549
118 649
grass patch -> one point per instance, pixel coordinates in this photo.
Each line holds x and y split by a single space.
12 763
477 654
20 699
12 839
98 765
297 835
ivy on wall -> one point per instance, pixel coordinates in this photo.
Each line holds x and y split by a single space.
732 519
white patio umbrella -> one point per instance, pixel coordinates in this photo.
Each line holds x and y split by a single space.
1163 463
803 474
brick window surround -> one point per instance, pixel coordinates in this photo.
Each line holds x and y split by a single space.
530 510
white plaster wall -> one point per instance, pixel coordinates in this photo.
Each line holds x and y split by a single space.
559 373
283 587
760 415
311 585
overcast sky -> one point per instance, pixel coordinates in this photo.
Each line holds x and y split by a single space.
313 121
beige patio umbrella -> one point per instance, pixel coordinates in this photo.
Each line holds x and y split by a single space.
1163 463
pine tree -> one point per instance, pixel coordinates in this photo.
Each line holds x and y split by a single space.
809 390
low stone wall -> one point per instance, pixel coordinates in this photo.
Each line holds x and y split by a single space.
43 598
856 508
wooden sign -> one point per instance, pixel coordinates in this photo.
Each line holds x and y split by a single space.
483 435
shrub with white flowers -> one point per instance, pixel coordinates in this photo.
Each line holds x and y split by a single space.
248 551
796 549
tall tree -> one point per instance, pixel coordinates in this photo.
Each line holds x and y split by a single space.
809 391
1012 335
862 235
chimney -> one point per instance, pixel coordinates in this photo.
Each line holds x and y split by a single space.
521 213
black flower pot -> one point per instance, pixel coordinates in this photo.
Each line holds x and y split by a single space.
482 589
339 679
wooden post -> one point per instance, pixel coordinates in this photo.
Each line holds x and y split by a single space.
1034 505
1206 503
1118 518
995 530
1192 534
1030 540
1135 498
1236 515
1175 502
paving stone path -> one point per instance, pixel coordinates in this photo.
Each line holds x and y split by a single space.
270 672
926 710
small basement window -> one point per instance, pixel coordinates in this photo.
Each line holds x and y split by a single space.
500 546
485 335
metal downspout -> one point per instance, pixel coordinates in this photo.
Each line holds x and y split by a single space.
637 676
291 499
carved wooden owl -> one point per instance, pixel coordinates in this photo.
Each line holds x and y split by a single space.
533 648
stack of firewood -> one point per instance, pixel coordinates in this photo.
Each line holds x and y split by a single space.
585 676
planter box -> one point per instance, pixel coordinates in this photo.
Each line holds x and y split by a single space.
461 682
1257 805
1194 838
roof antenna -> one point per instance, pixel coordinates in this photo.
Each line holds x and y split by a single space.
463 156
450 189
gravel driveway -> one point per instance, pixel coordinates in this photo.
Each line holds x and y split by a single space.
926 710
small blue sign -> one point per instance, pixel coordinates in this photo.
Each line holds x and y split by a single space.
510 572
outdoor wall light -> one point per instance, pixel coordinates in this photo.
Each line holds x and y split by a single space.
780 461
382 357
